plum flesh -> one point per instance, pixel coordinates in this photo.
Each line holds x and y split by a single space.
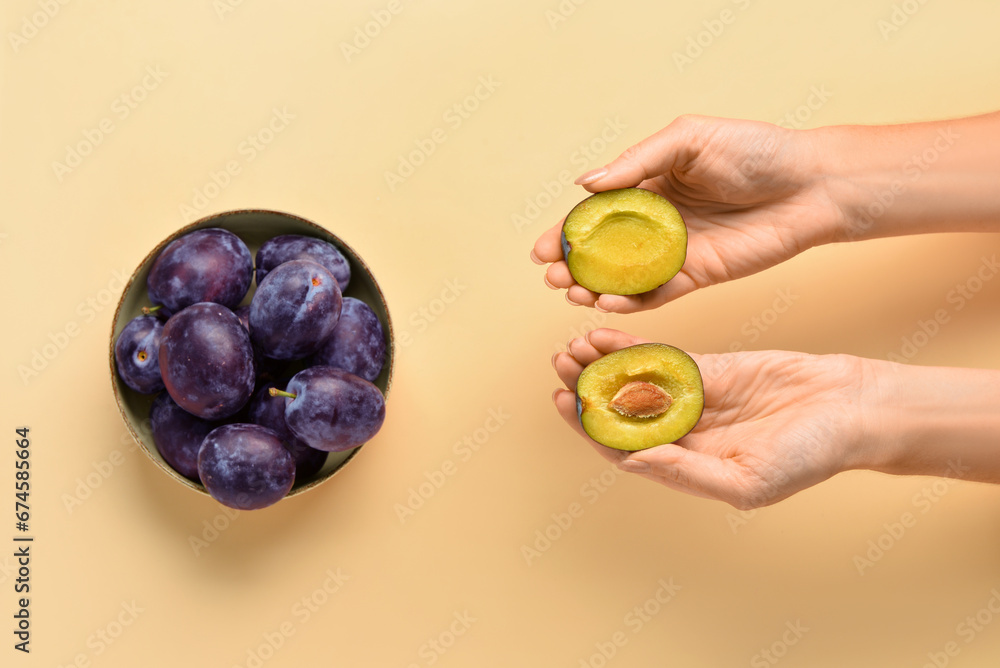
624 242
640 396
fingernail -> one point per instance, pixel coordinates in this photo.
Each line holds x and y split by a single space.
597 305
568 299
553 360
546 279
634 466
555 393
591 176
534 258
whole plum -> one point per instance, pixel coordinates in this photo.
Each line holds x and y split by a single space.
331 409
294 310
245 466
209 265
137 353
207 361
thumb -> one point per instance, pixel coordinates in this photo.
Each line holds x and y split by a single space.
721 479
673 146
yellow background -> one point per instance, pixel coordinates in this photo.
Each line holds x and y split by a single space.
743 578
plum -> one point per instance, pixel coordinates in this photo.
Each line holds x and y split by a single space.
624 242
137 353
637 397
245 466
268 410
207 361
331 409
208 265
178 434
281 249
294 310
357 344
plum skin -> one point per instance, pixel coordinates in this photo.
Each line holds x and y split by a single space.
333 410
294 310
357 344
178 435
140 339
269 411
283 248
207 362
245 466
207 265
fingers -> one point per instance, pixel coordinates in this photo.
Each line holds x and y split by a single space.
548 247
653 156
567 368
565 402
721 479
676 287
584 350
606 340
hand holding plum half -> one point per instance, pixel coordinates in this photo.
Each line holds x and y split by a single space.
774 422
218 421
750 194
777 422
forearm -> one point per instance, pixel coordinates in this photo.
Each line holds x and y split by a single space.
942 176
935 421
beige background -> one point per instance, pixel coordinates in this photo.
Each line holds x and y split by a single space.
744 578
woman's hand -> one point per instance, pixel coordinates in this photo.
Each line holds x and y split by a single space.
749 192
774 422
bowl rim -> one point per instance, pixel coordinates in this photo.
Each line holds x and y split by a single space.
201 223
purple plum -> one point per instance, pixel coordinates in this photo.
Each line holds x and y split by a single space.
331 409
357 344
137 353
294 310
281 249
178 434
245 466
209 265
207 361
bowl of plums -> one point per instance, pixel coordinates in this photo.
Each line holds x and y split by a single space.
251 354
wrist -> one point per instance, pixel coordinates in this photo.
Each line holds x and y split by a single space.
934 421
911 179
858 170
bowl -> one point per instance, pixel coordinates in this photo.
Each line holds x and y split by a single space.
254 227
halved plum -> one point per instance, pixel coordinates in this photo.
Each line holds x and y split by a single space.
624 242
640 396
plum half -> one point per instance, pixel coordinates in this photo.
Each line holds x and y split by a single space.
624 242
640 396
